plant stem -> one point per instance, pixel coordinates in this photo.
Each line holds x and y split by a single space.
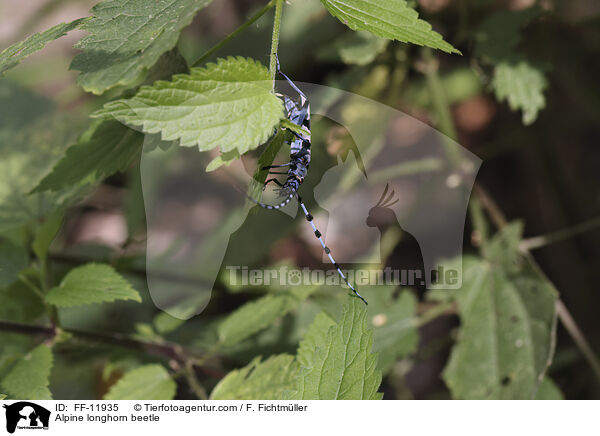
541 241
195 386
163 349
233 34
571 326
275 38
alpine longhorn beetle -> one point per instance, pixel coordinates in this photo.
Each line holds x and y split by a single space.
298 114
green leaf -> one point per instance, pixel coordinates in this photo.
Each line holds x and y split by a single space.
127 37
13 55
354 48
230 105
149 382
2 397
362 48
19 303
548 391
508 322
394 323
315 336
258 380
222 159
288 125
33 137
111 148
391 19
91 283
341 366
498 35
164 323
29 378
46 234
522 85
259 314
12 260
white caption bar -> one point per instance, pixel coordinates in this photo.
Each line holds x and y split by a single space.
284 418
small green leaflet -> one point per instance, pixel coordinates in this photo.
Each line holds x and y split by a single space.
341 365
29 378
149 382
12 260
2 397
258 380
515 79
112 148
229 104
523 86
127 37
508 322
13 55
391 19
259 314
91 283
222 159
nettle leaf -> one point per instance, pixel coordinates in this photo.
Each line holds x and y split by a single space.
391 19
523 86
149 382
111 148
127 38
13 55
508 322
30 377
341 366
258 380
515 79
92 283
229 104
315 336
12 260
259 314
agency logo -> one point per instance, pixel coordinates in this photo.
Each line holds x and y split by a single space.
26 416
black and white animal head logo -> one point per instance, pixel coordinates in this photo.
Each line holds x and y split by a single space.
26 415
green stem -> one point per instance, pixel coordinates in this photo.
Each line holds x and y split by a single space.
275 38
541 241
195 386
571 326
233 34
